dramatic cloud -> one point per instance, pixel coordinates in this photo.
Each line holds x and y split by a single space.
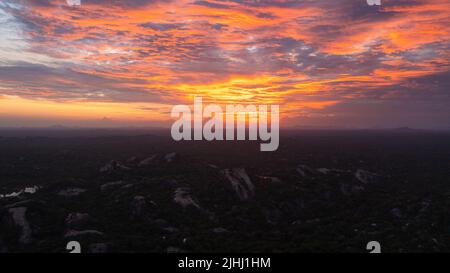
327 63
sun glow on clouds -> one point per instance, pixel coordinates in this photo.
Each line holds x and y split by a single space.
316 59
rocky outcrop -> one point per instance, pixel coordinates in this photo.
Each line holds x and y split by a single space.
305 171
19 219
183 198
347 189
138 207
172 249
77 220
98 248
270 179
147 161
170 157
219 230
365 177
28 190
113 165
70 192
396 213
240 182
76 233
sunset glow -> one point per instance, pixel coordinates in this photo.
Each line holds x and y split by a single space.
326 63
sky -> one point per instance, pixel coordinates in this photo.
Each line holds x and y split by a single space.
339 64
